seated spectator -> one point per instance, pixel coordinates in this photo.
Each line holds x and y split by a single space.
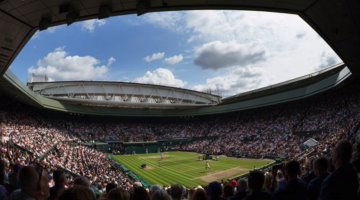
228 192
320 170
241 190
343 182
356 161
118 194
214 191
256 181
295 188
109 187
140 193
199 194
309 172
60 181
160 195
3 190
268 184
33 184
78 192
280 181
14 177
153 189
83 181
177 191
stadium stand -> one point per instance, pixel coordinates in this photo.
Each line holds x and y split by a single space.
51 141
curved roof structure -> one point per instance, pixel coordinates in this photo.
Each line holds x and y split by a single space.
283 92
123 94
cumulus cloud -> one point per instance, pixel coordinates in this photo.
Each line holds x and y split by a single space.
155 56
59 65
54 29
111 60
328 60
161 76
278 33
235 80
174 59
92 24
216 55
167 20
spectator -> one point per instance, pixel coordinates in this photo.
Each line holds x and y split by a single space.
343 182
295 188
14 177
199 194
78 192
160 195
309 172
3 190
60 181
320 170
177 192
33 184
140 193
268 184
215 191
118 194
356 161
256 181
228 192
153 189
241 190
82 181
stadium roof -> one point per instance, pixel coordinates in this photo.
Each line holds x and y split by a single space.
123 94
284 92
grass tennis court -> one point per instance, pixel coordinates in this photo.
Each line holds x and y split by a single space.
185 167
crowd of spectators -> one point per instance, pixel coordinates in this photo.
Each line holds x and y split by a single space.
94 164
329 179
29 136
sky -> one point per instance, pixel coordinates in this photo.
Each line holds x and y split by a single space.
227 52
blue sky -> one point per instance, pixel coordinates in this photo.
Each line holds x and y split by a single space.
226 51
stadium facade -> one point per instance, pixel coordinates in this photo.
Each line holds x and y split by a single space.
337 21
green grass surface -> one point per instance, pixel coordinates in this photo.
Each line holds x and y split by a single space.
185 168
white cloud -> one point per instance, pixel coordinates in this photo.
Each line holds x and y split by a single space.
291 47
50 30
58 65
328 60
278 33
234 81
92 24
216 55
54 29
167 20
155 56
246 49
111 60
161 76
174 59
36 35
